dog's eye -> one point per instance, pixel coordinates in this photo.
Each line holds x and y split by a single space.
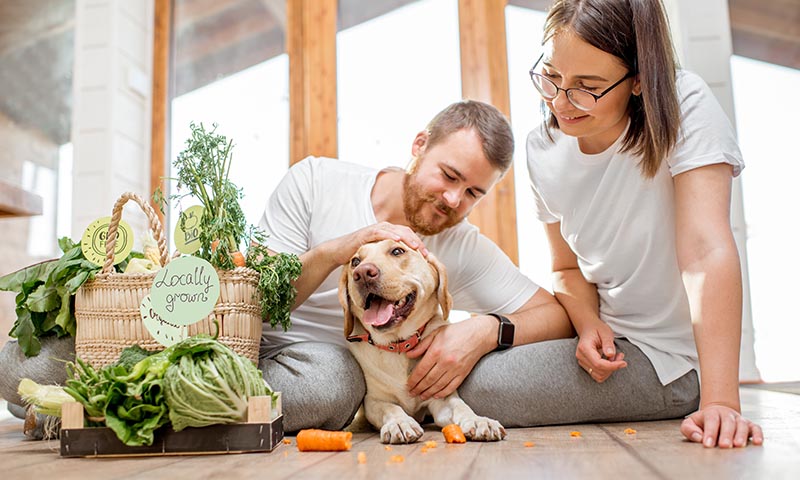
354 262
398 251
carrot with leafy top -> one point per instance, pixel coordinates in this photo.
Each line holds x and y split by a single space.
313 440
453 434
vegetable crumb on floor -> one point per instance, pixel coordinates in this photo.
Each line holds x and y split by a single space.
575 434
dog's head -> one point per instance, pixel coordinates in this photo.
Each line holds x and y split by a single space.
392 290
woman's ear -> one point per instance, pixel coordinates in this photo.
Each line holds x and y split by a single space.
637 86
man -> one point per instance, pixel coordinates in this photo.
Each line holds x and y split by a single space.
324 209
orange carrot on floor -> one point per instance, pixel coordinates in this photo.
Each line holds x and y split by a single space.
323 441
453 434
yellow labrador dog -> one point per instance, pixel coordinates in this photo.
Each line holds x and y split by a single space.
392 298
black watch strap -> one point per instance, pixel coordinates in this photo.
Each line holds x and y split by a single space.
505 332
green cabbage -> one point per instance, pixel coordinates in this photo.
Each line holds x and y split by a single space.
207 383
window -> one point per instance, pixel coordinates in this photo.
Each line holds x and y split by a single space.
231 69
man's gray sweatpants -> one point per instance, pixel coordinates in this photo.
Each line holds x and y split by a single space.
542 384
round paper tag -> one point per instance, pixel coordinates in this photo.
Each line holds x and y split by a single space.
165 333
185 290
93 242
187 236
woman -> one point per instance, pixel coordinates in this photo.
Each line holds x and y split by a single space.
632 176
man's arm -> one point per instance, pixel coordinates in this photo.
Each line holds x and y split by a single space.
452 352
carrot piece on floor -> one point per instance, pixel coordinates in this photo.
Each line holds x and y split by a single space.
362 458
453 434
286 441
528 444
629 431
397 459
388 448
575 434
430 444
323 441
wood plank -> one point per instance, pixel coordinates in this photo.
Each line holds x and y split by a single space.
16 202
311 44
657 450
159 119
484 77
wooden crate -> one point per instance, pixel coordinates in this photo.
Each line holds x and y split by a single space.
258 434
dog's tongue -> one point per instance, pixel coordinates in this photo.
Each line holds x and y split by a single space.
379 312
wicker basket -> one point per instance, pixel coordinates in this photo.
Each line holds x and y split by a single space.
107 308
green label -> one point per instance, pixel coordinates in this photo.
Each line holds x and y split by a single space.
93 242
164 332
185 290
187 231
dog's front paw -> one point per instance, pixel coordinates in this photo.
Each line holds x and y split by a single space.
482 429
401 431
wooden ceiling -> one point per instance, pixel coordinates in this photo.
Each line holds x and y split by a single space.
216 38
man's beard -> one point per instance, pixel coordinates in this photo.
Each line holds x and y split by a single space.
414 198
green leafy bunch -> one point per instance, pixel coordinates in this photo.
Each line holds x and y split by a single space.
44 304
275 282
202 169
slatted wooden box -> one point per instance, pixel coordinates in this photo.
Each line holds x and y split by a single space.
261 433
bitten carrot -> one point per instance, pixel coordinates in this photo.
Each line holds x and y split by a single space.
453 434
323 441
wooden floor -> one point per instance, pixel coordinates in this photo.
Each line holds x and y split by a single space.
602 451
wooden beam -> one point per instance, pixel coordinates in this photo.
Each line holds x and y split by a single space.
484 77
311 44
161 101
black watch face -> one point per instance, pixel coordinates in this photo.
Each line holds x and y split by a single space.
506 337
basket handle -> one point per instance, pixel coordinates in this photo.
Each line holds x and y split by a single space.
116 216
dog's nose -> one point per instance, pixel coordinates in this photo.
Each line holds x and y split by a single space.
366 272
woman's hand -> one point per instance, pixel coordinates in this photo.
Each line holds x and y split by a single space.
722 426
596 352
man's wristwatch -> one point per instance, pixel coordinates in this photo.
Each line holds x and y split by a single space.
505 332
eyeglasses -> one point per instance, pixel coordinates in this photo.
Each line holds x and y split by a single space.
581 99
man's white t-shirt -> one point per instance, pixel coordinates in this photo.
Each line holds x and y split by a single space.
322 198
621 226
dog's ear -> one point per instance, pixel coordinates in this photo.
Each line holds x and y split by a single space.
442 294
344 300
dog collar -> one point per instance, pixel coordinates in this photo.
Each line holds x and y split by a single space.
396 347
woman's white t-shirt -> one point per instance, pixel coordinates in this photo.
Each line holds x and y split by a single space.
621 226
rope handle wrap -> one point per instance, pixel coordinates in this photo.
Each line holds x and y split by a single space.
116 216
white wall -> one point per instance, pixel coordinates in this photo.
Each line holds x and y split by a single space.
111 107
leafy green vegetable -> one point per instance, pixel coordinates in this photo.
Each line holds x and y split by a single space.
203 168
195 382
44 304
208 383
275 287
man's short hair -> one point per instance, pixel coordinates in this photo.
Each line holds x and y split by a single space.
487 121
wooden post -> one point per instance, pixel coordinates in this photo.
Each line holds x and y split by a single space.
161 100
484 77
311 44
71 415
